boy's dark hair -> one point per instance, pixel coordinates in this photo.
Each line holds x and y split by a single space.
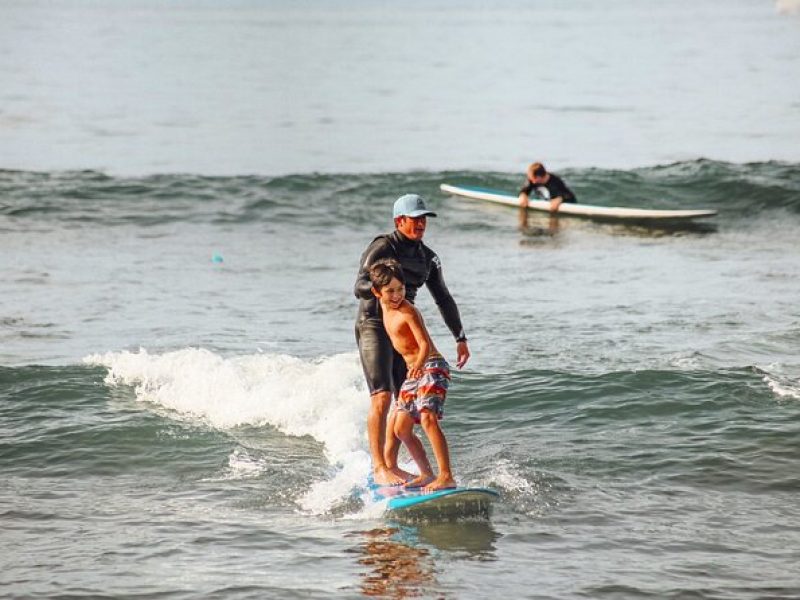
383 271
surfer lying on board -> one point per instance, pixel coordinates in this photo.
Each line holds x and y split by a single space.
421 397
545 185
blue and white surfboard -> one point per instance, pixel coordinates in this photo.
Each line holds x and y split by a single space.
454 503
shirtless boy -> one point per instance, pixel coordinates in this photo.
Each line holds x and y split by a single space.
421 397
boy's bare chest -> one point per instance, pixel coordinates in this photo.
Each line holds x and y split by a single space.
395 325
400 333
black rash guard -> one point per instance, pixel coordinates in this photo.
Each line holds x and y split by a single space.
384 368
555 187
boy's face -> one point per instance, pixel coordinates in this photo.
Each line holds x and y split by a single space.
392 294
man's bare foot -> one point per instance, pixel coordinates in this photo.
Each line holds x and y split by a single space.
384 476
440 483
419 481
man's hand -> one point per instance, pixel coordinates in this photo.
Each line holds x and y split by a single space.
462 352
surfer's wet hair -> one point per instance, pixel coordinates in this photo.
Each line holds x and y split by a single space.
383 271
537 170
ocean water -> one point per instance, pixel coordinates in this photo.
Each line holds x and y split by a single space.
185 192
182 407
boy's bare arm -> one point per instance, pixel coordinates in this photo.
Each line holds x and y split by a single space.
416 325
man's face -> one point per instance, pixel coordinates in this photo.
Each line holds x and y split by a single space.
412 227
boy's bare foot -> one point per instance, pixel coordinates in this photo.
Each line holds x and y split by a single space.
385 476
440 483
406 475
419 481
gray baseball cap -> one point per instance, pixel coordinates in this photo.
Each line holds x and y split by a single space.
411 205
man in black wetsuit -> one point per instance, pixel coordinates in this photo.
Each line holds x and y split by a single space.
546 185
384 368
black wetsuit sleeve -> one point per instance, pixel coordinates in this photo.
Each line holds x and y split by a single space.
559 188
378 249
528 188
441 295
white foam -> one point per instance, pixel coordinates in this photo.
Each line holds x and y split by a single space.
372 509
244 466
507 476
781 388
782 379
323 398
349 475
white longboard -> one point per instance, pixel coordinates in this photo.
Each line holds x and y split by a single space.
451 504
580 210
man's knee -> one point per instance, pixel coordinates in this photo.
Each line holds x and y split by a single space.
381 400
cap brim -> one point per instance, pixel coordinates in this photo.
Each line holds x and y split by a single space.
419 213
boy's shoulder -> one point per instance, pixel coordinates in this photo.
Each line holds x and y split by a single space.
410 311
406 309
